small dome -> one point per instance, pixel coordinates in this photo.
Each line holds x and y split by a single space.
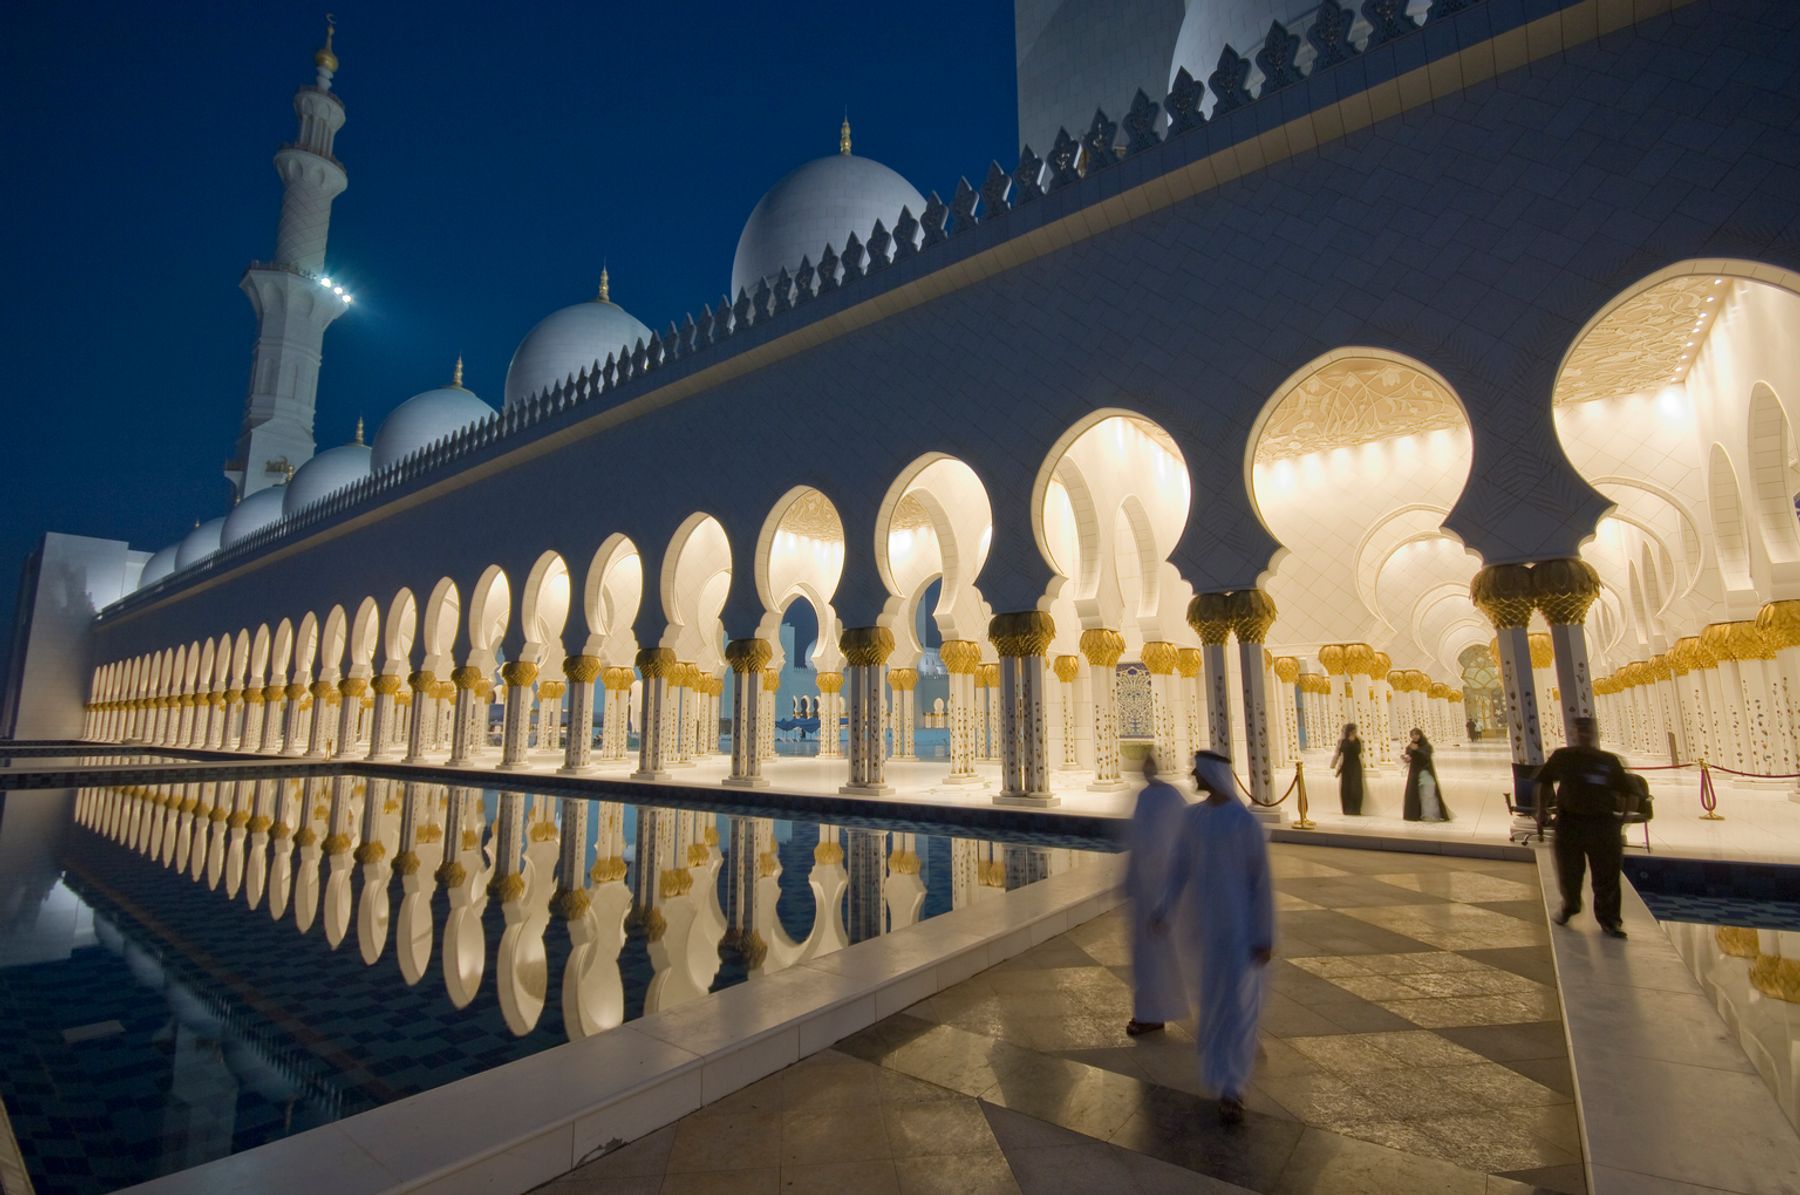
424 419
326 473
160 565
252 515
568 341
821 203
200 543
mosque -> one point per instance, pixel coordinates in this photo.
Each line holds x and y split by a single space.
1411 365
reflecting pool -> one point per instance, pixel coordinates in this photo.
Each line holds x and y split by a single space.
191 970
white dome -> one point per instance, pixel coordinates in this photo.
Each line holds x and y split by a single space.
252 515
821 203
200 543
566 342
160 565
326 473
424 419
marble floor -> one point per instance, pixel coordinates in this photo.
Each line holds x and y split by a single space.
1411 1042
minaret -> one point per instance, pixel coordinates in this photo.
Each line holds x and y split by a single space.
292 295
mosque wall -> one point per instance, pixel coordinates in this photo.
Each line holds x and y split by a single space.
1475 234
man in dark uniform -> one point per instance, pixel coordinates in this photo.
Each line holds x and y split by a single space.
1585 783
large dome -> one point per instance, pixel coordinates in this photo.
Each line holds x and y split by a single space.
424 419
160 565
326 473
252 515
568 341
821 203
200 543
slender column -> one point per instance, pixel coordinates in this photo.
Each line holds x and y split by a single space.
866 650
462 725
250 740
988 741
1160 658
1382 706
961 658
1210 616
381 728
831 712
1779 623
656 664
1543 678
1021 639
1564 589
279 701
1728 697
422 683
515 733
1190 663
549 712
578 747
904 682
1287 673
1764 747
1505 594
748 659
615 721
319 690
1068 671
184 726
350 691
765 734
1721 736
1336 697
1253 615
226 705
1103 647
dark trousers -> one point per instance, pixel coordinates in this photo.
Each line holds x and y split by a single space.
1595 843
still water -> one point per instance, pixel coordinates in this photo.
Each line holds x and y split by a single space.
191 970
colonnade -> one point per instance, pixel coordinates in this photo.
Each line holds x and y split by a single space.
1729 695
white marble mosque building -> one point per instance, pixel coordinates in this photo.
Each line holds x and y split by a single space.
1427 364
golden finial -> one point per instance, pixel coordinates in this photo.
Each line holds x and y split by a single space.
287 474
844 135
325 59
359 431
456 378
605 286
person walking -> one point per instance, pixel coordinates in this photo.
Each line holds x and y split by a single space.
1347 762
1158 992
1424 798
1584 782
1219 880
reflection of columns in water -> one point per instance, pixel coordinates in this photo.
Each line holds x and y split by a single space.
904 890
1504 593
1103 647
962 657
866 862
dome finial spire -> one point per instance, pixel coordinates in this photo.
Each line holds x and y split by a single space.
359 431
456 378
605 285
325 59
844 134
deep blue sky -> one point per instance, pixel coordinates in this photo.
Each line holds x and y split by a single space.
495 157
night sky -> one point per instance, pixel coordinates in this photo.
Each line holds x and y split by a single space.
495 158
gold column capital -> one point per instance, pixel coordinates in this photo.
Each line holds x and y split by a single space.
1022 633
1505 593
518 673
865 647
1102 646
748 655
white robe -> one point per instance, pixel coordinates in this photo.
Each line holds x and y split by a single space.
1158 990
1219 897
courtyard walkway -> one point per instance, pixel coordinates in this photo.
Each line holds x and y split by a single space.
1412 1042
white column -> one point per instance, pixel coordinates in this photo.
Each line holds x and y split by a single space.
1103 647
515 732
656 664
866 650
578 745
748 659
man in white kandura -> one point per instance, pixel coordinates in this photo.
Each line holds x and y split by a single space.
1219 878
1159 994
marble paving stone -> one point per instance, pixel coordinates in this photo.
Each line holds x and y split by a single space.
1508 1043
813 1137
1324 1161
834 1178
762 1181
960 1174
745 1140
1470 886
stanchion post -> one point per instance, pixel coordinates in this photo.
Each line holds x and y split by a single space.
1304 822
1709 796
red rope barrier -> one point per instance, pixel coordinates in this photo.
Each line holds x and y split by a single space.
1709 797
1245 788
